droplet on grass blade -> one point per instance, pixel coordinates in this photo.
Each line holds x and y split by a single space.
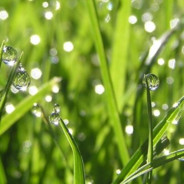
54 118
9 55
152 80
36 110
57 108
22 79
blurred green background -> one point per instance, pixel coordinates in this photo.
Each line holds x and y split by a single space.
56 38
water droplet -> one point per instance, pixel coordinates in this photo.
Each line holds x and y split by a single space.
54 118
22 79
152 80
36 110
9 55
57 108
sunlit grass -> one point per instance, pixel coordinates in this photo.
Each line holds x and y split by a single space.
101 49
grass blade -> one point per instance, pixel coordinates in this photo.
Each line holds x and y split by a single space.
150 129
78 163
168 8
156 163
110 96
1 52
120 50
158 132
9 119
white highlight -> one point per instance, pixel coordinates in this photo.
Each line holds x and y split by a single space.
36 73
171 63
132 19
33 90
118 171
9 108
48 15
55 89
129 129
156 112
45 4
70 131
66 121
3 15
35 39
149 26
161 61
99 89
48 98
153 50
181 141
68 46
174 23
166 152
58 5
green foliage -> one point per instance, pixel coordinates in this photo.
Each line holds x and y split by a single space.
93 45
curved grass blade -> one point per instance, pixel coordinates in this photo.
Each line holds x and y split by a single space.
158 132
156 163
9 119
78 163
110 96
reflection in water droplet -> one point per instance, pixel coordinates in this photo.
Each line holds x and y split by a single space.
36 110
9 55
153 81
54 118
57 108
22 79
66 121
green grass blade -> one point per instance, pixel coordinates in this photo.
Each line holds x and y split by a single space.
150 130
110 96
78 163
156 163
120 50
1 52
168 8
158 132
3 178
9 119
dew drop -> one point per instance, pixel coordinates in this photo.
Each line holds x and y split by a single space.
22 79
9 55
54 118
153 81
36 110
57 108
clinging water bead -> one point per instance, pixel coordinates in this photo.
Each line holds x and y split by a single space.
22 79
152 80
9 55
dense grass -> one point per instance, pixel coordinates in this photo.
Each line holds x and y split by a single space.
108 50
